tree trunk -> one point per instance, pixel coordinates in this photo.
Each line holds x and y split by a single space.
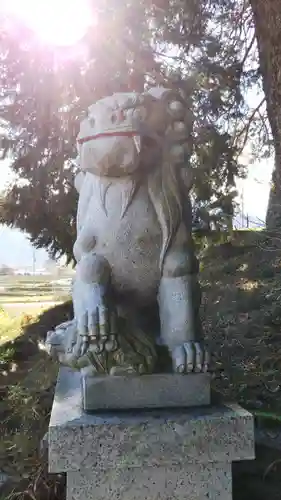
267 17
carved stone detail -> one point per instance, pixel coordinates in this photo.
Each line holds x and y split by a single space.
134 245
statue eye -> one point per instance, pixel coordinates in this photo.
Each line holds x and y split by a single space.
118 117
122 115
92 122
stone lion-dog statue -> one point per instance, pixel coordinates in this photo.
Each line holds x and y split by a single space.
135 293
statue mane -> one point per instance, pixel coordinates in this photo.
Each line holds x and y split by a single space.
165 195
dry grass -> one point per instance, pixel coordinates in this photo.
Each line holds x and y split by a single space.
242 320
27 380
26 408
12 327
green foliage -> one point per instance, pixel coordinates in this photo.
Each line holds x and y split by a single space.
6 354
187 44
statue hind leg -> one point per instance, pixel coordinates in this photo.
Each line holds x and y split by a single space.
179 302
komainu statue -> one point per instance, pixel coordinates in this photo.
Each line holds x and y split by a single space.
136 296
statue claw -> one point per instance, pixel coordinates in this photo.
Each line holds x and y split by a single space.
180 369
199 358
190 357
97 348
84 345
189 368
111 344
206 364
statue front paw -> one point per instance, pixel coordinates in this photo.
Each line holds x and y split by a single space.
97 328
190 357
96 318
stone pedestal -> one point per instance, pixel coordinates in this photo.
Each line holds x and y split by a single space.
163 390
146 455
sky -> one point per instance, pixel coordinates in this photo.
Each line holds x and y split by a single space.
254 191
16 250
58 22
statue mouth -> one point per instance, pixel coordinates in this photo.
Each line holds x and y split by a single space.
115 133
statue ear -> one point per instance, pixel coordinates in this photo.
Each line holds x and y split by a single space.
78 181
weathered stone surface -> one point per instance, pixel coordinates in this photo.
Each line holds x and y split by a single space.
147 391
193 482
79 441
134 247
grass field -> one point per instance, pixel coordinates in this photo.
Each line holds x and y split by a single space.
32 294
27 378
24 297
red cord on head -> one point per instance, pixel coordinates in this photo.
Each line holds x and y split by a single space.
121 133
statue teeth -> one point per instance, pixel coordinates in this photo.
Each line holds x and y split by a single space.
137 141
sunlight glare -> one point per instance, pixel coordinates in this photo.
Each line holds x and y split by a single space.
56 22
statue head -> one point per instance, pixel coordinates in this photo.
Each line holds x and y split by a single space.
112 136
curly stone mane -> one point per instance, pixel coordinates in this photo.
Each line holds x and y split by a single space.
165 194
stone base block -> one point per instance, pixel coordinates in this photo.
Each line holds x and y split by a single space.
147 391
146 455
195 482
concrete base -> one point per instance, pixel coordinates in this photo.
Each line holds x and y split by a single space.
198 481
163 390
146 455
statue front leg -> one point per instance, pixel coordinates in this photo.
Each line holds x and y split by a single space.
95 316
179 302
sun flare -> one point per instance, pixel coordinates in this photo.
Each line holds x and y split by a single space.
56 22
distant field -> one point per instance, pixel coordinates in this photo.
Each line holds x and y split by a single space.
31 294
